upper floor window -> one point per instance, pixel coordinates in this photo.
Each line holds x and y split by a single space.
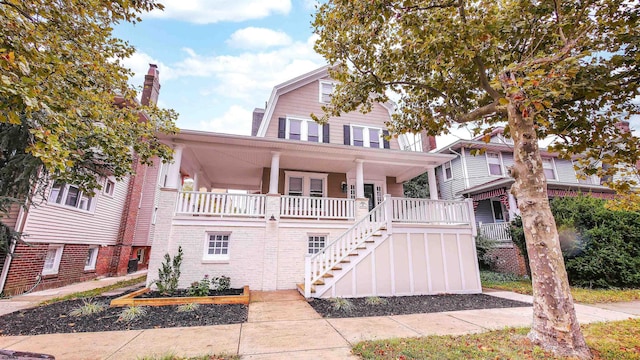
326 89
495 163
302 129
70 195
109 187
447 172
549 168
365 136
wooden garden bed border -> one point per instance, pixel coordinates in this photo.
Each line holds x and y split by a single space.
131 300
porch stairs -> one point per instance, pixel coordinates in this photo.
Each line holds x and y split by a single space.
324 268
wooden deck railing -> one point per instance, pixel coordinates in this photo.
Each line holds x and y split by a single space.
496 231
207 203
432 211
316 207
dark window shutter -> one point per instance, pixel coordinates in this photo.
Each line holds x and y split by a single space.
385 133
325 133
347 135
282 126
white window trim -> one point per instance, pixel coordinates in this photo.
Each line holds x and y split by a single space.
141 257
325 82
306 181
493 212
486 155
444 171
326 240
213 257
553 167
304 128
94 258
382 184
65 191
365 135
113 187
56 261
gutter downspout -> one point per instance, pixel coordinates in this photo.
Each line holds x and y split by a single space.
463 160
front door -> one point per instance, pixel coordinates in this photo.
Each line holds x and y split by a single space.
370 193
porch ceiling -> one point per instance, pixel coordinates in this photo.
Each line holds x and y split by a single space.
234 161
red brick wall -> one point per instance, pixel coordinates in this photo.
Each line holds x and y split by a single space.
508 260
28 261
145 262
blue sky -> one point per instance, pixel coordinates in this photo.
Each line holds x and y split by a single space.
219 59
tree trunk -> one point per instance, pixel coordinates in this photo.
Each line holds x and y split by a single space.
555 327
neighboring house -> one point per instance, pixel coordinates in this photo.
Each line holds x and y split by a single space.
322 208
484 178
72 237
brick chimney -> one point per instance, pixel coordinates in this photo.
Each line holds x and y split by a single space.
151 88
428 142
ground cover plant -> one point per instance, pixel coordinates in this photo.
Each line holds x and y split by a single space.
582 295
611 340
400 305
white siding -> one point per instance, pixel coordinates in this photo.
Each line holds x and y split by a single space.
56 223
565 171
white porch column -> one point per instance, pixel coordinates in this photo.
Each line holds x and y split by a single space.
196 181
513 206
173 175
275 173
359 179
433 185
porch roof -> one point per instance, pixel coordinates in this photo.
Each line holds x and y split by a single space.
236 161
553 187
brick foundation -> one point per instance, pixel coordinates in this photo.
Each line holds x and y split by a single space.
508 260
26 267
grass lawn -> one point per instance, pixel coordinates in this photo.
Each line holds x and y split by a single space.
612 340
96 292
581 295
203 357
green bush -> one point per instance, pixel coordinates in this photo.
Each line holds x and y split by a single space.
169 273
601 247
483 245
200 288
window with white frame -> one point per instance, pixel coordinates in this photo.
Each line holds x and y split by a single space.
549 168
326 89
71 196
92 256
303 129
140 255
317 243
217 246
52 260
109 187
447 172
495 163
365 136
305 184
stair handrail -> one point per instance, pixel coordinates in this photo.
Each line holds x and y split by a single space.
340 248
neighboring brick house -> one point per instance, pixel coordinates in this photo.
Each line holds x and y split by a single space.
484 179
72 237
321 207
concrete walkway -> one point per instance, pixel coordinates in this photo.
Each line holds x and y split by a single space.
282 325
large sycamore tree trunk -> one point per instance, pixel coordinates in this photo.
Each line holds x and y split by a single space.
555 326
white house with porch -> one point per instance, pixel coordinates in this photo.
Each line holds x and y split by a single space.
323 208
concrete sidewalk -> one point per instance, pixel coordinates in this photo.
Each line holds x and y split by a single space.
282 325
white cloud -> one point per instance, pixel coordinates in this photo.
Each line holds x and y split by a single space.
258 38
236 120
213 11
139 64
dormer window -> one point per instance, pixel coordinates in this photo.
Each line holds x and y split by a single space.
326 89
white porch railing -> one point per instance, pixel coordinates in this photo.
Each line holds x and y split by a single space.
316 207
320 263
432 211
496 231
206 203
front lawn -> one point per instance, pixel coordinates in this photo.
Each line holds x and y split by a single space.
612 340
581 295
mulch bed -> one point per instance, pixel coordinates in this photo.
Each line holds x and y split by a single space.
183 293
55 318
402 305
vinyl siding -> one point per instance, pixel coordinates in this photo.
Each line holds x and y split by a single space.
142 236
11 217
478 169
565 171
301 102
59 224
450 188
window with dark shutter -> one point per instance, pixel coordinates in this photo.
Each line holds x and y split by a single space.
282 126
347 135
325 133
385 133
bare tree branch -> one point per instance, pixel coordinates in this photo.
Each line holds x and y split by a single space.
18 9
484 81
480 112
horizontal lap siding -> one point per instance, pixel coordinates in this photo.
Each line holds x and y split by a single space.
11 218
59 224
142 236
303 101
566 173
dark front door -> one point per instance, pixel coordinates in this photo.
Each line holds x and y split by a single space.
370 193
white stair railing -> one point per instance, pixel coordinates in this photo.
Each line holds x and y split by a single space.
320 263
207 203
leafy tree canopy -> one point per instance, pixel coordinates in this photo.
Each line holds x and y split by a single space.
66 110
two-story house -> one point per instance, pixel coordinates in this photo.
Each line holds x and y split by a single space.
322 207
484 179
70 236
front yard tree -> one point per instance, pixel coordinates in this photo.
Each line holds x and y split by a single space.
60 74
567 69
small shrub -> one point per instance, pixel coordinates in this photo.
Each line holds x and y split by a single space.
493 277
169 273
200 288
483 245
88 307
222 283
131 313
188 307
375 300
342 304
